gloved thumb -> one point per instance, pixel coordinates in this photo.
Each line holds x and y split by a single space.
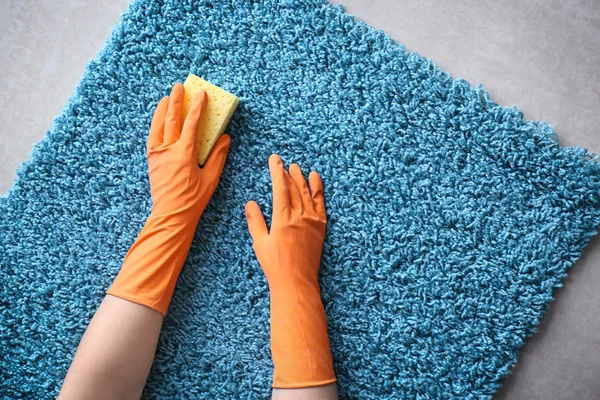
214 165
256 221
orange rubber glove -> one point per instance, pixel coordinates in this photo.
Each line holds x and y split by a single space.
290 257
180 192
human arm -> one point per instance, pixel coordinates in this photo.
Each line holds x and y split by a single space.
115 354
325 392
290 255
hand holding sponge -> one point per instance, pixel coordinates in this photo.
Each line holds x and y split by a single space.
180 189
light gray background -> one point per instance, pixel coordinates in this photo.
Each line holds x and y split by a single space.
542 56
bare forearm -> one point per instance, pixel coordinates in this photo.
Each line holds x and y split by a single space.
326 392
115 354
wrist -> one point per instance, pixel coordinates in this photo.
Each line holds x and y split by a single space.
184 221
300 346
299 340
151 267
293 289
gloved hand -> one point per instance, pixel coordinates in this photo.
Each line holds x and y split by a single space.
290 256
180 191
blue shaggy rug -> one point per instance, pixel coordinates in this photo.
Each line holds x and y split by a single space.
452 219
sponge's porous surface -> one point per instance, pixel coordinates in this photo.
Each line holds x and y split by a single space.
216 114
451 219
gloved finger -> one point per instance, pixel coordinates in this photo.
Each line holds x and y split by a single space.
216 161
256 221
157 127
173 120
316 190
189 133
296 174
295 199
281 194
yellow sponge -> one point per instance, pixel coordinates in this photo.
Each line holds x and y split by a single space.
217 113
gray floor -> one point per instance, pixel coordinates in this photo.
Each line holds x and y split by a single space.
43 50
540 55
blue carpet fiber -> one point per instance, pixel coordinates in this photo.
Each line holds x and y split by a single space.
451 219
